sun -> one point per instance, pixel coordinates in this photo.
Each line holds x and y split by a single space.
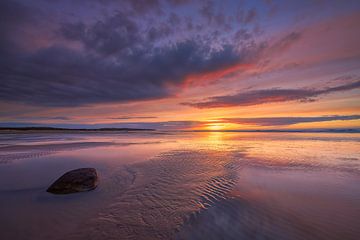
215 126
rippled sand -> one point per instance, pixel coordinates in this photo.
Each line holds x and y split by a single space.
183 186
164 192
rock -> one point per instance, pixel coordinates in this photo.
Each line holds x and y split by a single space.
78 180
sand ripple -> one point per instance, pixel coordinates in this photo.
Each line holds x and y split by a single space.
165 192
17 152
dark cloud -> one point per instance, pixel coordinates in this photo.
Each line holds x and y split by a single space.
159 32
41 118
215 16
116 57
58 76
139 7
14 17
179 2
256 97
8 18
132 117
245 16
250 16
110 36
142 6
207 10
242 35
345 78
280 121
174 19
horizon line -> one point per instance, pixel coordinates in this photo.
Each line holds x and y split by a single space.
37 128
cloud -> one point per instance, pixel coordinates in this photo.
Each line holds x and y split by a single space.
282 121
42 118
132 117
14 18
285 42
142 6
250 16
58 76
246 15
161 31
117 58
207 10
110 36
263 96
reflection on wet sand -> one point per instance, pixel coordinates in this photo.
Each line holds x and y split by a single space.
185 186
286 205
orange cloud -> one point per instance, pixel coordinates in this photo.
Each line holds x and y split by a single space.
205 78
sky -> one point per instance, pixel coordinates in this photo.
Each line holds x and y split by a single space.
180 64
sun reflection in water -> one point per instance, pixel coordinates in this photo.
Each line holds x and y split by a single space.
215 140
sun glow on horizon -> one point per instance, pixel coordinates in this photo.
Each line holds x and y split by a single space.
215 127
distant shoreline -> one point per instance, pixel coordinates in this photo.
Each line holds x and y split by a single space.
53 129
73 129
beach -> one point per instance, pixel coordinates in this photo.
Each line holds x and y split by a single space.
182 185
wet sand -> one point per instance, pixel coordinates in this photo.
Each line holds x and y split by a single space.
183 186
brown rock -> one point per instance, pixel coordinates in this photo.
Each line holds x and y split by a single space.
78 180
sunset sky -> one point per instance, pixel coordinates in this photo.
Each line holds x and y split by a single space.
179 64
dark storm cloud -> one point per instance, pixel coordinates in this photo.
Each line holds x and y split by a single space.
9 17
58 76
132 117
256 97
207 10
13 17
142 6
117 56
282 121
109 36
174 19
215 15
31 118
161 31
119 59
245 16
179 2
250 15
135 6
